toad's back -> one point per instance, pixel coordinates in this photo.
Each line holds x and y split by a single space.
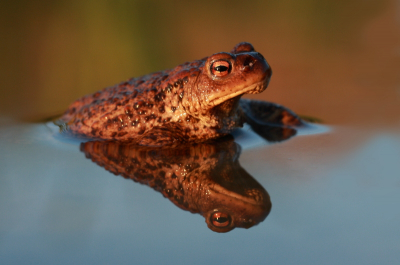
194 101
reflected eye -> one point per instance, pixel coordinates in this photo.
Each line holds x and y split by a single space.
220 68
220 219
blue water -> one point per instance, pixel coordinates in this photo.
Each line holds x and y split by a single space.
334 196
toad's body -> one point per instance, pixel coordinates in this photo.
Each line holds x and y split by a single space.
195 101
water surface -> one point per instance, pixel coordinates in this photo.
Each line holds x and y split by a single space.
334 200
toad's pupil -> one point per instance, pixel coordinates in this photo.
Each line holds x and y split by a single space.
221 219
221 68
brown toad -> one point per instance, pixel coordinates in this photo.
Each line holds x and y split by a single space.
194 101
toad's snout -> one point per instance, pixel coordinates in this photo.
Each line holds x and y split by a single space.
254 61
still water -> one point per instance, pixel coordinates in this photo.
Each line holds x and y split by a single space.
334 199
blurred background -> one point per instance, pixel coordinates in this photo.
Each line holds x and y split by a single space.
337 60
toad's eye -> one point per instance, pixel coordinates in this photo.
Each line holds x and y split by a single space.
220 68
220 219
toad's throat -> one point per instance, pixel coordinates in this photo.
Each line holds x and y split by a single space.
252 89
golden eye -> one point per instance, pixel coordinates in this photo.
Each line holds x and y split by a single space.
220 219
220 68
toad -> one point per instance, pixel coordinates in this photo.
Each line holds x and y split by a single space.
193 102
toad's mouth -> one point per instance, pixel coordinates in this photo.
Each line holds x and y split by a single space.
255 88
255 198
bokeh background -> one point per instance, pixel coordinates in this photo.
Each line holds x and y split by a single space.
337 60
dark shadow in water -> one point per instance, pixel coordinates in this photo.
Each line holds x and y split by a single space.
203 178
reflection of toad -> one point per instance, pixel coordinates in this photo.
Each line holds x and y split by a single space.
195 101
203 178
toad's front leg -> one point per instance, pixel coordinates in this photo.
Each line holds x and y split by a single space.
271 121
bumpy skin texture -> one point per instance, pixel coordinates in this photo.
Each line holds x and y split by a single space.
204 178
195 101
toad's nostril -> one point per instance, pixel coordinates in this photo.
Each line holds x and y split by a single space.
249 62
